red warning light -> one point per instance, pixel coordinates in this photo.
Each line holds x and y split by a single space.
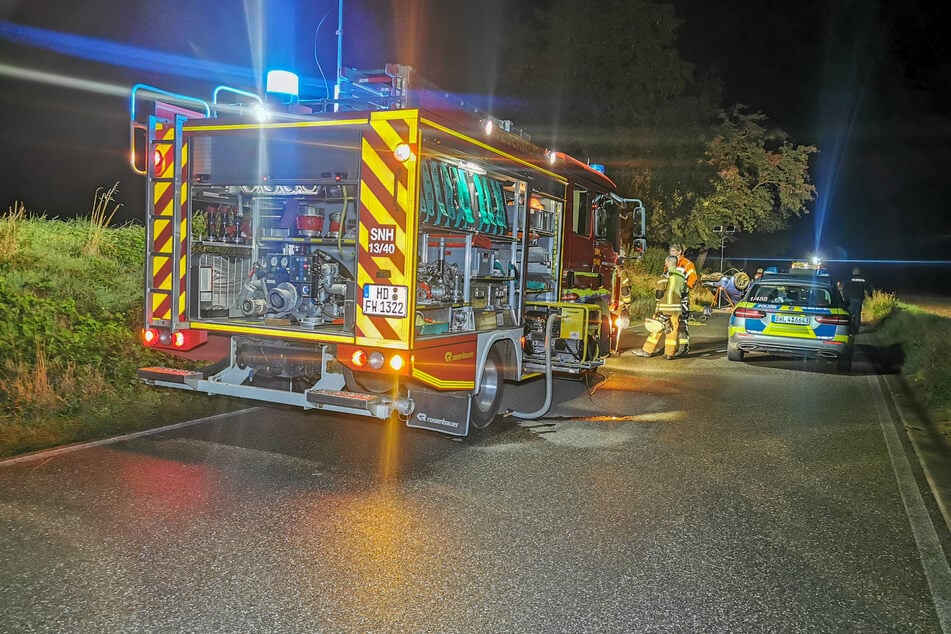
150 336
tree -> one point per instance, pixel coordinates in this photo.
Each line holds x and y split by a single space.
759 180
609 85
596 82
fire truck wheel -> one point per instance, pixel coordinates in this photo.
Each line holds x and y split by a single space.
486 402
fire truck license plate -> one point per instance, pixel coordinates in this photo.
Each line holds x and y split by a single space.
385 301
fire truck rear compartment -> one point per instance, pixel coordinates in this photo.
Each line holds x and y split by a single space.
249 271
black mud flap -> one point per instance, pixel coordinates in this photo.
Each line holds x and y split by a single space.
440 411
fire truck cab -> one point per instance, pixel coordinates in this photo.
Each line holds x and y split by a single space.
382 254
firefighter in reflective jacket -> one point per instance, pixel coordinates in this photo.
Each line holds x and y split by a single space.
690 275
685 265
667 319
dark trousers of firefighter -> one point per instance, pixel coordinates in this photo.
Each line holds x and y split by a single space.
671 338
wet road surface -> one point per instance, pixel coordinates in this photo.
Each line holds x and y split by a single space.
692 495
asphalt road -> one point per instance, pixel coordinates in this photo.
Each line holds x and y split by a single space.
693 495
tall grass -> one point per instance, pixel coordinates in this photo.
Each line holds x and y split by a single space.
49 389
878 305
921 339
10 223
104 208
69 320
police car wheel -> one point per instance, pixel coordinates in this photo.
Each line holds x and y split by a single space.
733 353
486 402
843 363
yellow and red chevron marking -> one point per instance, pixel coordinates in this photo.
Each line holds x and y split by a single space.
387 199
163 196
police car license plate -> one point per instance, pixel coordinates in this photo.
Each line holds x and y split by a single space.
385 301
797 320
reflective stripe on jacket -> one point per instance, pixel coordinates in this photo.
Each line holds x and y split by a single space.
670 304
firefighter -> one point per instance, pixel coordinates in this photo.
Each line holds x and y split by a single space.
669 292
690 275
685 265
854 290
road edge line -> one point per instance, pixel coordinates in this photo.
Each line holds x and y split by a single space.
933 560
925 467
55 451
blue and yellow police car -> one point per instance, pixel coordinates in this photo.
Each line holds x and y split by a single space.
798 314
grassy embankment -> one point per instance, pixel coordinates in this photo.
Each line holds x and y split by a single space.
71 304
71 297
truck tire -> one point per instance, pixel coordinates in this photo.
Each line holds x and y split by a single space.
486 402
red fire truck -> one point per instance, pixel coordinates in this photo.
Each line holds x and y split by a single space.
391 252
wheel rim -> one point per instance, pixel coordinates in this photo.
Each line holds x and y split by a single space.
490 386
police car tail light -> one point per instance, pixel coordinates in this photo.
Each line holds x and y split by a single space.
838 320
748 313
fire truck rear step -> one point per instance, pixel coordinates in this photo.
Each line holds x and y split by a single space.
355 400
170 375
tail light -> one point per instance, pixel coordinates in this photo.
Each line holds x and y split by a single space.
397 362
748 313
359 358
838 320
158 162
374 360
185 339
150 336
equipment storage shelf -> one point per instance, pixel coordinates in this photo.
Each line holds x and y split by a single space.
276 257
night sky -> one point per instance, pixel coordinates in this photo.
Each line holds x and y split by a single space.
868 85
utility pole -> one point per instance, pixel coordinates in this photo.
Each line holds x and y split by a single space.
339 54
723 231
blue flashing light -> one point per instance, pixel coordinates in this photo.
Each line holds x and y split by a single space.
283 82
598 167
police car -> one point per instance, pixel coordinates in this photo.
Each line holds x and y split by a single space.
797 314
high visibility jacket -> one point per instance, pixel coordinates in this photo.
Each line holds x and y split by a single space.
690 271
670 303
